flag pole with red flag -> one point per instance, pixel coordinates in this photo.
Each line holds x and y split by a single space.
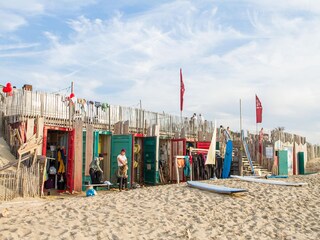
258 120
258 110
182 89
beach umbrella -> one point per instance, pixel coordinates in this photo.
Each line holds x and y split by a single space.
211 157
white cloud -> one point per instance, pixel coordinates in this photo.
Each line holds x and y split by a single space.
287 5
22 6
10 22
127 58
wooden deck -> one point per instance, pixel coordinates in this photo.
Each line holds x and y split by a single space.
58 110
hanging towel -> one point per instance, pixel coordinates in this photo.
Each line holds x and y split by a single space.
180 162
82 101
186 169
97 104
104 106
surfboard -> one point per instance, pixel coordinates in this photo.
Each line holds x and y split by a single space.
215 188
274 182
227 160
276 176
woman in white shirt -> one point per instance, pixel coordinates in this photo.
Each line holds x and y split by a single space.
122 170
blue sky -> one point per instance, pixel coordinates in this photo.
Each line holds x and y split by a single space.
123 51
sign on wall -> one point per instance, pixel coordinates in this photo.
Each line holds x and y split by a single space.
269 152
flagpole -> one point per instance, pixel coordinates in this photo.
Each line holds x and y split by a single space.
181 96
240 119
257 137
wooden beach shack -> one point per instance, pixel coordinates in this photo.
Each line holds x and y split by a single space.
85 128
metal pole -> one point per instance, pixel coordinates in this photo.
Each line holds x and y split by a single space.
140 116
240 118
70 105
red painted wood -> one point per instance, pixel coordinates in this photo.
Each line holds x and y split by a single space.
44 141
138 135
203 145
70 163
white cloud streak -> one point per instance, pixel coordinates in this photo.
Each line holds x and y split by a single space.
126 58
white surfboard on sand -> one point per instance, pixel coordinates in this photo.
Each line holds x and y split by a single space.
259 180
215 188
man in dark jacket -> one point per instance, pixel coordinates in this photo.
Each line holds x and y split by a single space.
95 170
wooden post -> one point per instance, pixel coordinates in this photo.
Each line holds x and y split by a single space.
240 160
177 170
17 176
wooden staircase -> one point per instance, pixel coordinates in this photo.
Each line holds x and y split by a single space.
259 170
241 165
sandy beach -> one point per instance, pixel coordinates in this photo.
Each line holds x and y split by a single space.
171 212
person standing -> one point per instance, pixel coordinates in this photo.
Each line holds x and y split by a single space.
122 170
194 122
95 170
201 122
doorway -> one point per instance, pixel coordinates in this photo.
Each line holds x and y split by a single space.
58 147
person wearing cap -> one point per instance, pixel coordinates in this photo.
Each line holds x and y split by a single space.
122 170
95 170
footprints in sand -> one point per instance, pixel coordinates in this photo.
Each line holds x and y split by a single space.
173 212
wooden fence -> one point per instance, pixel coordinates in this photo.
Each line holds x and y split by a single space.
55 106
26 182
7 186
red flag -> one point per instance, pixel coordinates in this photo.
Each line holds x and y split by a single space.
258 110
182 89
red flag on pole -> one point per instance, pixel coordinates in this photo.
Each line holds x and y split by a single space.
258 110
182 89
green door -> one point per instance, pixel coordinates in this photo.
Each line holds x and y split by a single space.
85 177
119 142
283 162
301 162
150 160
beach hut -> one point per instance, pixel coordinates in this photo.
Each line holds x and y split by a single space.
53 137
94 143
141 152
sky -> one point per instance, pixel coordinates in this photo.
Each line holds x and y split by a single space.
121 52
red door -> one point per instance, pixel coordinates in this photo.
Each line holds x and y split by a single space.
70 162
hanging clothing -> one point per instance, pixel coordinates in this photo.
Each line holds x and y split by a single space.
61 168
186 169
97 104
180 162
219 164
104 106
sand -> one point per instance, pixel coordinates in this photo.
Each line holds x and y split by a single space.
5 154
171 212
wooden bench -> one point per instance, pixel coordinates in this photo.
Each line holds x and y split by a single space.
90 186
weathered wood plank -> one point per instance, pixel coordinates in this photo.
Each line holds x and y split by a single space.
89 147
78 156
